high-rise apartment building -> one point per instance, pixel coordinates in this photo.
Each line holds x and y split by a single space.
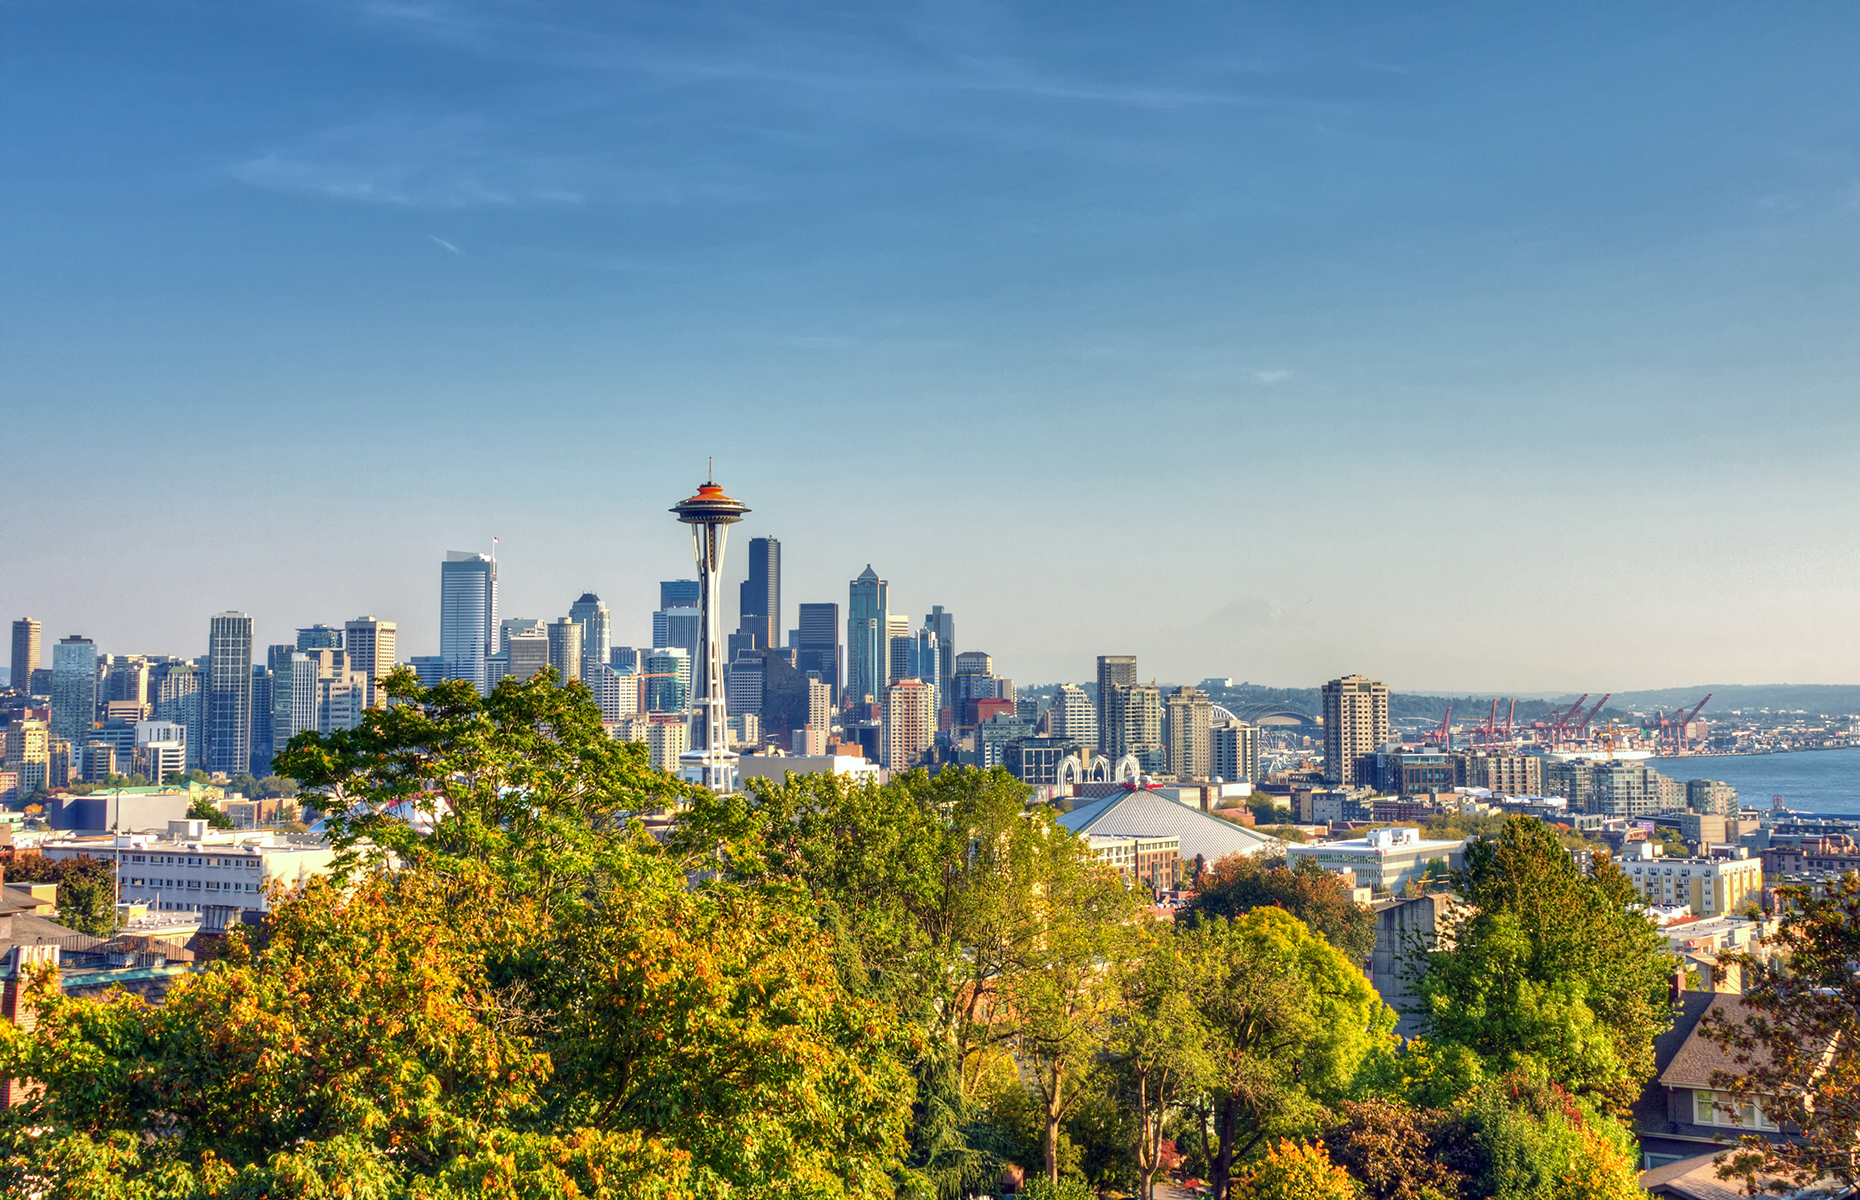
125 679
1711 796
565 650
370 643
228 706
1074 717
1115 672
760 595
910 723
597 631
1141 710
467 615
1190 717
818 646
1356 723
867 637
1234 750
319 637
26 635
293 695
28 755
178 698
74 688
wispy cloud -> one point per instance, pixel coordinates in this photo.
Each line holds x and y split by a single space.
443 244
1279 375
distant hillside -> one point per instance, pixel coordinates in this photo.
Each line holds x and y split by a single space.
1835 699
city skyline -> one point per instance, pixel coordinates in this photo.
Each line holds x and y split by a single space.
1362 289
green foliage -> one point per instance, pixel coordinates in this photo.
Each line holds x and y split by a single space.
1803 1000
86 888
202 809
1521 1138
1238 884
537 1000
1285 833
1549 969
1064 1189
1292 1026
278 786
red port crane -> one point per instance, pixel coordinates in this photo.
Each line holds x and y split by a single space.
1582 726
1442 736
1508 717
1680 746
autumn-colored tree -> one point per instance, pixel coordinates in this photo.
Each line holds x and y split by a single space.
1798 1049
1391 1149
86 896
1294 1171
530 999
1238 883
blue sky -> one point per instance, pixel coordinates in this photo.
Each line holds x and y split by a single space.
1466 346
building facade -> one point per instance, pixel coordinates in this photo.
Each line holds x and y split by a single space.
1234 750
1189 715
867 636
370 643
759 607
27 634
817 650
910 723
1711 887
468 615
1356 723
597 631
565 650
228 706
1711 796
1074 716
74 688
1115 672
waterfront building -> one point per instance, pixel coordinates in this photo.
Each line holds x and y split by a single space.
467 615
1711 796
1710 887
74 688
1356 722
228 705
1501 774
867 630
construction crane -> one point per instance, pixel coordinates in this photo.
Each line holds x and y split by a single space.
1680 745
1582 726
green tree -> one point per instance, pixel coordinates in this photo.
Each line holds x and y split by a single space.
1548 966
86 888
277 785
1237 884
1293 1025
1796 1047
245 784
202 809
532 998
1158 1048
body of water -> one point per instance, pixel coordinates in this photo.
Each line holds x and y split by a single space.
1817 781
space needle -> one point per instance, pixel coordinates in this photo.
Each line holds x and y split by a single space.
710 514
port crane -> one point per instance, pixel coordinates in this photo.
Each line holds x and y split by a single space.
1680 746
1560 722
1582 727
1442 736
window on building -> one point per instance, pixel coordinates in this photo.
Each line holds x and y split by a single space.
1719 1108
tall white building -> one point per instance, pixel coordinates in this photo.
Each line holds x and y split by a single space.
370 643
1356 723
565 650
910 723
1075 717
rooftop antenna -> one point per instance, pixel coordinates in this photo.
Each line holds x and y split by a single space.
710 470
493 548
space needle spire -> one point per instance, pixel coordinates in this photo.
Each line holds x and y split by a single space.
710 514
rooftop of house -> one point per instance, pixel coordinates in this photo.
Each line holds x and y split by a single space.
1696 1058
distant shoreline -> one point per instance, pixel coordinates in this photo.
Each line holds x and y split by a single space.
1754 753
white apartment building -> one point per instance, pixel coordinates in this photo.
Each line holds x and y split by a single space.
192 867
1384 859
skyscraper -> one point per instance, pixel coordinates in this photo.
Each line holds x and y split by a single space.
910 723
1115 672
679 593
178 699
710 514
818 649
1356 723
565 650
1234 752
943 624
370 642
319 637
26 635
597 630
760 608
228 707
74 688
1189 714
867 637
665 685
1142 713
467 615
1074 717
